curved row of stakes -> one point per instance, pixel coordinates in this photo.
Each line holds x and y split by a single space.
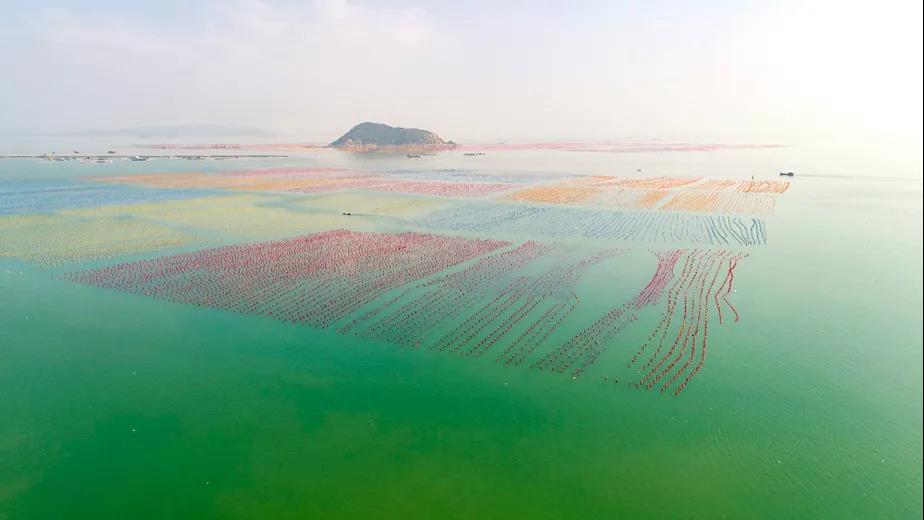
555 222
491 305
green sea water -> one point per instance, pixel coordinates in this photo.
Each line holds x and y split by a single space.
114 405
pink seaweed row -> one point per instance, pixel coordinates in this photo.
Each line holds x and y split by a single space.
314 279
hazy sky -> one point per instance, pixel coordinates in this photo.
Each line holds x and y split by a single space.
720 70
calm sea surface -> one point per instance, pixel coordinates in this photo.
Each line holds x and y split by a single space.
119 405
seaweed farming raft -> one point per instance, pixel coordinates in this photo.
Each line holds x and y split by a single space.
705 283
675 351
511 302
553 221
314 279
660 193
496 308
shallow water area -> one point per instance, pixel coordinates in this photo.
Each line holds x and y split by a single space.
201 350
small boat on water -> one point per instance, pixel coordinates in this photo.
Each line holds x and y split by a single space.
413 155
787 174
139 158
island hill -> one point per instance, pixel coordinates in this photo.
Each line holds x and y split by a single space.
378 137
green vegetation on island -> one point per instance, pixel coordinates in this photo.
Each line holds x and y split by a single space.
382 137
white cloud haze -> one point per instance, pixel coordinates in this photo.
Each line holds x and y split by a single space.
779 71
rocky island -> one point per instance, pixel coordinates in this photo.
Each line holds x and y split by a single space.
378 137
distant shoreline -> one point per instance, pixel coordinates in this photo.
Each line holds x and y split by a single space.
74 157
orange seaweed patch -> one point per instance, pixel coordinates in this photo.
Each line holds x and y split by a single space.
650 199
657 183
715 184
628 198
704 201
555 194
749 203
708 202
763 186
599 195
285 184
618 198
304 172
595 180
